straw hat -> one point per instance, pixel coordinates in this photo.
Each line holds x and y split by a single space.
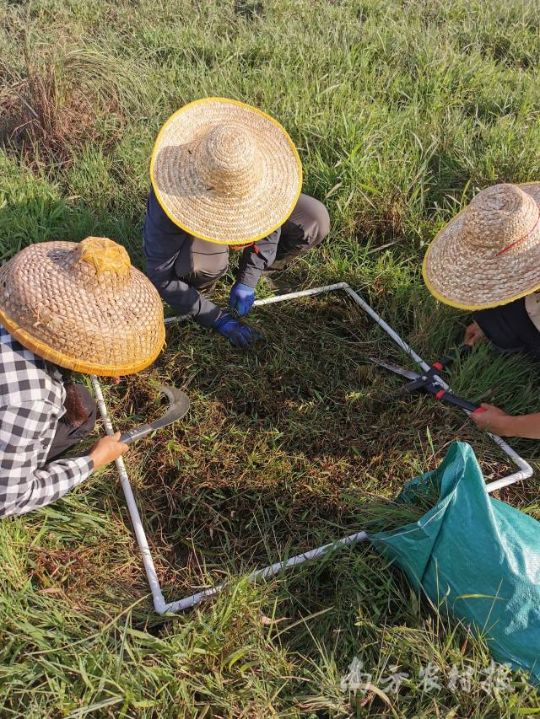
489 254
82 306
225 172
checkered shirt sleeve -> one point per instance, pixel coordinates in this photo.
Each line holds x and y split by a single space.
24 485
31 405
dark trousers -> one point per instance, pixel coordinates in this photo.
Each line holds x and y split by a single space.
305 229
66 434
509 328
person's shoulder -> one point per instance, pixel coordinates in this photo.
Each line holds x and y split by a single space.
159 218
10 348
25 377
154 209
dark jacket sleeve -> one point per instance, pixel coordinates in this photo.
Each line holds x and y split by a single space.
165 245
254 262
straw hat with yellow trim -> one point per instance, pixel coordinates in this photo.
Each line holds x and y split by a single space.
225 171
82 306
489 254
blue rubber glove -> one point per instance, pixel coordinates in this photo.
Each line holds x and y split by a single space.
241 298
238 334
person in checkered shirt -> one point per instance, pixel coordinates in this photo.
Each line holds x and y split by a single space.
56 316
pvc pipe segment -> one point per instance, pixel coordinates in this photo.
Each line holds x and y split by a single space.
149 567
161 607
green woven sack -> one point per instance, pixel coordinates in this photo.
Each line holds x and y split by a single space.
475 556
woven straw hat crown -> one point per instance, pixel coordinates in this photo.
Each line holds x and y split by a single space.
489 254
229 161
82 306
225 172
501 218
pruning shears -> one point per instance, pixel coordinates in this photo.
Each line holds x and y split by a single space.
429 381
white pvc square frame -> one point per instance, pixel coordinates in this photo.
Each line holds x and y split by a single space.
161 606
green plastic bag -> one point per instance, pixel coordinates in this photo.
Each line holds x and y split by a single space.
474 555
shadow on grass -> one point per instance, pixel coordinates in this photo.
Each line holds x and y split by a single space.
286 446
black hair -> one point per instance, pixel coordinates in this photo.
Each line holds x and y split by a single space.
76 413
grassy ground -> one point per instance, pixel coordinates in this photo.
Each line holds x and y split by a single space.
401 111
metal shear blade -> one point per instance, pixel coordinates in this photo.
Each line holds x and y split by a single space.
408 373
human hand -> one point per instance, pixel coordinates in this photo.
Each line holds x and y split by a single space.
106 450
493 420
238 333
241 298
473 334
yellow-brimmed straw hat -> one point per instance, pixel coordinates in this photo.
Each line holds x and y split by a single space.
489 254
225 172
82 306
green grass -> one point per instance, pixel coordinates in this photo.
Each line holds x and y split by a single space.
401 111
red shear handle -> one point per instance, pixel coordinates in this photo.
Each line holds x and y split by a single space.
458 401
447 360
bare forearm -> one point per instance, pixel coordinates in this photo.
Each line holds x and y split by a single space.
495 420
525 425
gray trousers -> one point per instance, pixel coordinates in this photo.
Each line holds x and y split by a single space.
306 228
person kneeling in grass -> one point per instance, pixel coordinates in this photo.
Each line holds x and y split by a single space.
487 259
225 176
65 307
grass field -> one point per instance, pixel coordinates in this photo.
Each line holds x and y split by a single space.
401 110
